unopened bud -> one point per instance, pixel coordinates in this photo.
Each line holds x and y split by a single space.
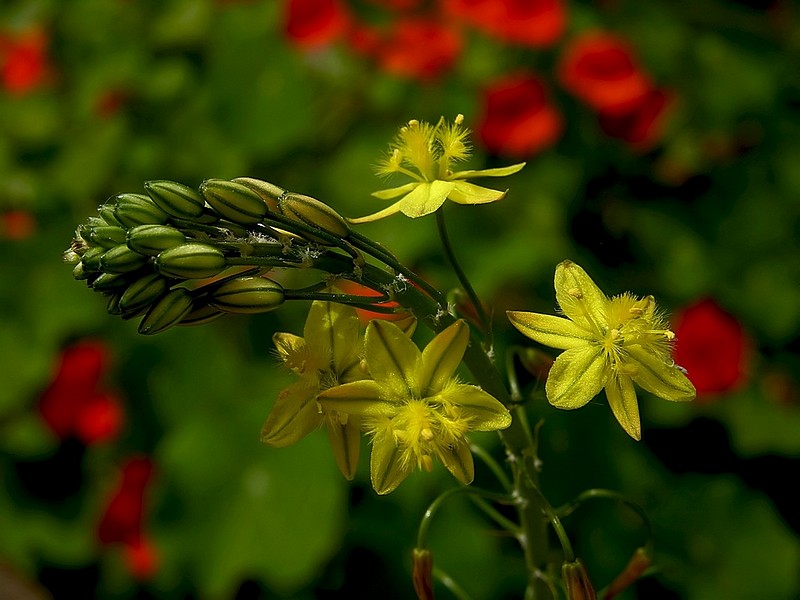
106 236
191 261
109 282
153 239
138 209
143 292
168 311
107 214
234 201
200 315
175 199
422 574
577 582
79 272
121 259
269 192
91 259
310 211
247 295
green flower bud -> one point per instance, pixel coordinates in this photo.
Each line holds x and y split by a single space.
166 312
107 214
153 239
109 282
175 199
91 259
247 295
113 305
143 291
79 272
201 315
106 236
310 211
137 209
191 261
269 192
234 201
121 259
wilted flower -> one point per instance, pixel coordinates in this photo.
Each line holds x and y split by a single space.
426 153
608 343
414 408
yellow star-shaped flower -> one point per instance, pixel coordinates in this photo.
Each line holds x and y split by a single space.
426 153
608 343
415 408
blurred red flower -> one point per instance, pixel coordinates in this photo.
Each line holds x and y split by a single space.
536 23
398 4
418 48
314 23
365 316
517 118
24 64
123 518
600 69
642 124
74 404
712 346
16 224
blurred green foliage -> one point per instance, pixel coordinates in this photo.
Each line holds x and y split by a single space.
195 89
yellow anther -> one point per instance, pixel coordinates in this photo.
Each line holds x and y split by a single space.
459 119
413 123
636 311
614 334
426 434
426 462
669 335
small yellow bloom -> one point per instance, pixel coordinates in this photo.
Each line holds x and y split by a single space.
426 153
608 343
415 409
329 353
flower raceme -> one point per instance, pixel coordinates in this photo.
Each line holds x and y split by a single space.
427 153
608 343
414 408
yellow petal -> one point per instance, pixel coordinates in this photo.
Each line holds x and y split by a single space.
390 193
659 377
458 460
555 332
362 398
426 198
393 359
386 467
441 357
294 415
386 212
407 324
484 411
579 297
469 193
286 344
332 330
496 172
622 400
577 376
345 441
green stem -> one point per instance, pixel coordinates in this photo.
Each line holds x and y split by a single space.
462 276
494 467
495 515
450 584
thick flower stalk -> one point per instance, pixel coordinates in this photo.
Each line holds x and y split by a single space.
427 154
329 353
414 408
608 343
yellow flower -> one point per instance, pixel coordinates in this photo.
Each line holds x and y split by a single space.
414 408
426 153
329 353
608 343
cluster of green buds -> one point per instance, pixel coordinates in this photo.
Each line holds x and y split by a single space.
176 255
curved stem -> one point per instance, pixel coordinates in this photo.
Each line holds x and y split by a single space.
495 515
450 584
493 465
462 276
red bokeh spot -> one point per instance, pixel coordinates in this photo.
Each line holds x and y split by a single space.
536 23
600 69
16 225
712 346
641 125
24 64
314 23
418 48
517 117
